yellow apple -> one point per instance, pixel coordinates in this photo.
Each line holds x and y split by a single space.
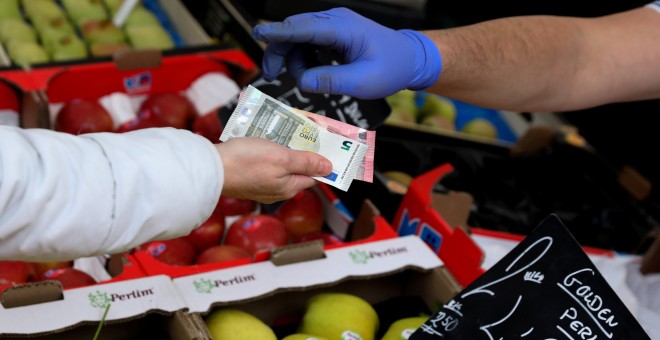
403 328
435 105
339 316
480 127
438 122
234 324
404 108
399 176
402 114
300 336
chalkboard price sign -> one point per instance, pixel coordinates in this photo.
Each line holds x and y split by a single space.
545 288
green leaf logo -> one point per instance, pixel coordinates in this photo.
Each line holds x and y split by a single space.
359 256
203 286
99 299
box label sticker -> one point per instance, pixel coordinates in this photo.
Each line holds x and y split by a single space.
431 237
406 225
137 83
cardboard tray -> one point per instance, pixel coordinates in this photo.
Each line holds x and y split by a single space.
367 227
382 272
36 308
42 86
184 30
172 326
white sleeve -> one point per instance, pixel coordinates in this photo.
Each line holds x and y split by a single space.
654 5
65 196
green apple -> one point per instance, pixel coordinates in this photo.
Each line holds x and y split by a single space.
400 114
438 122
68 48
339 316
59 24
401 96
105 50
149 37
403 328
113 5
236 324
9 10
43 10
26 53
435 105
82 11
141 16
51 38
480 127
300 336
16 30
102 32
403 99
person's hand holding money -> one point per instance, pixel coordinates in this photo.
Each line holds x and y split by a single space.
267 172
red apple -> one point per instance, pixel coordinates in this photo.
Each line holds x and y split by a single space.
176 252
229 206
222 253
208 234
169 109
138 124
257 232
42 267
302 214
15 272
328 238
209 126
69 277
83 116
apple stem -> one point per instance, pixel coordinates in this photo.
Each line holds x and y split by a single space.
98 330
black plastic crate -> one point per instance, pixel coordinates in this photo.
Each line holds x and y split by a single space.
514 194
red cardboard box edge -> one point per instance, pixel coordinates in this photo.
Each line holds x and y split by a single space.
416 215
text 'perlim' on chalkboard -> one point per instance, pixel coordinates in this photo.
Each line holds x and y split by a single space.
545 288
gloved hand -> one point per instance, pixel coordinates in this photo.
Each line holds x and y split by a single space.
379 61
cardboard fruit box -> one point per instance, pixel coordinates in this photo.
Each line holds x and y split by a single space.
36 309
400 277
420 214
178 30
209 81
367 226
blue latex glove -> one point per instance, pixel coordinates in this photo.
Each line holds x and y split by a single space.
379 61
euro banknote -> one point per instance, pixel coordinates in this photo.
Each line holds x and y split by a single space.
366 170
259 115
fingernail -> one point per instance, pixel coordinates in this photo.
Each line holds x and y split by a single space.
325 167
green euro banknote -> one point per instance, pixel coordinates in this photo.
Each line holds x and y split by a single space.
259 115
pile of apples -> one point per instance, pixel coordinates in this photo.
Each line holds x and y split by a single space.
436 112
39 31
296 220
19 272
330 315
168 109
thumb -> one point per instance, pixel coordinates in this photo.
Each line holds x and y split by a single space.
309 164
